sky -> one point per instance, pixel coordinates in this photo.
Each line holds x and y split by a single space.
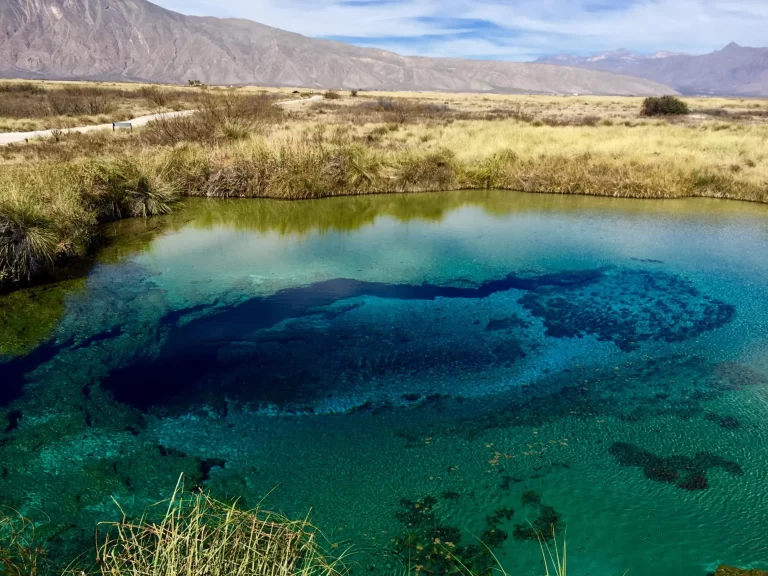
518 30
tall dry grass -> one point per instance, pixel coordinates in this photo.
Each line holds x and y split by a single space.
244 145
200 536
21 553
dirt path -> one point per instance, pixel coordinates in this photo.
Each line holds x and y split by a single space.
12 137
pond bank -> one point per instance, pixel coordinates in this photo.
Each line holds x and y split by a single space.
51 212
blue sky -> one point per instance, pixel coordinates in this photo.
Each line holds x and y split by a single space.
507 29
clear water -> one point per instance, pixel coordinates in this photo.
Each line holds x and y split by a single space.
359 356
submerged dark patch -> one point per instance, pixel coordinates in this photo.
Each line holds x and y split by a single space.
13 373
629 307
231 353
686 472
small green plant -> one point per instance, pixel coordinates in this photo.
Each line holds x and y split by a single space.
664 106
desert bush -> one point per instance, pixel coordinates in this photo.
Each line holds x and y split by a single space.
21 88
156 96
664 106
331 95
218 118
353 93
390 110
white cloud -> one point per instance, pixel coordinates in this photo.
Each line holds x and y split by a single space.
513 29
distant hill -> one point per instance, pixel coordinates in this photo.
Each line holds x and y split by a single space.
137 40
733 71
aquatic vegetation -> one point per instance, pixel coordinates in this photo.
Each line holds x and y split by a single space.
506 323
727 422
29 316
686 472
431 546
643 306
545 527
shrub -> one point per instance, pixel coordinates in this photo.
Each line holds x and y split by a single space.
20 88
664 106
331 95
353 93
434 171
156 96
218 118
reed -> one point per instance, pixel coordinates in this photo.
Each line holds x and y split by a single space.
200 536
20 552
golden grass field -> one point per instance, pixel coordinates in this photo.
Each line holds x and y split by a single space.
249 142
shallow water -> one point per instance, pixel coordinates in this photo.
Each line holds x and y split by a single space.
450 365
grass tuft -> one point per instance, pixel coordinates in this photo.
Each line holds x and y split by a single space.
28 242
200 536
123 188
20 552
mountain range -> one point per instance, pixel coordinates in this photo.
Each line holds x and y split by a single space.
136 40
733 71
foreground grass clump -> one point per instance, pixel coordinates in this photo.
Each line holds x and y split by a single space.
201 536
51 212
20 553
664 106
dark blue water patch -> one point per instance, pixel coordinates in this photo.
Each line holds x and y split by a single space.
13 373
228 353
225 351
101 337
14 418
255 314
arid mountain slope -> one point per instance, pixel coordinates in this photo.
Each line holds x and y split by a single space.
733 71
137 40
